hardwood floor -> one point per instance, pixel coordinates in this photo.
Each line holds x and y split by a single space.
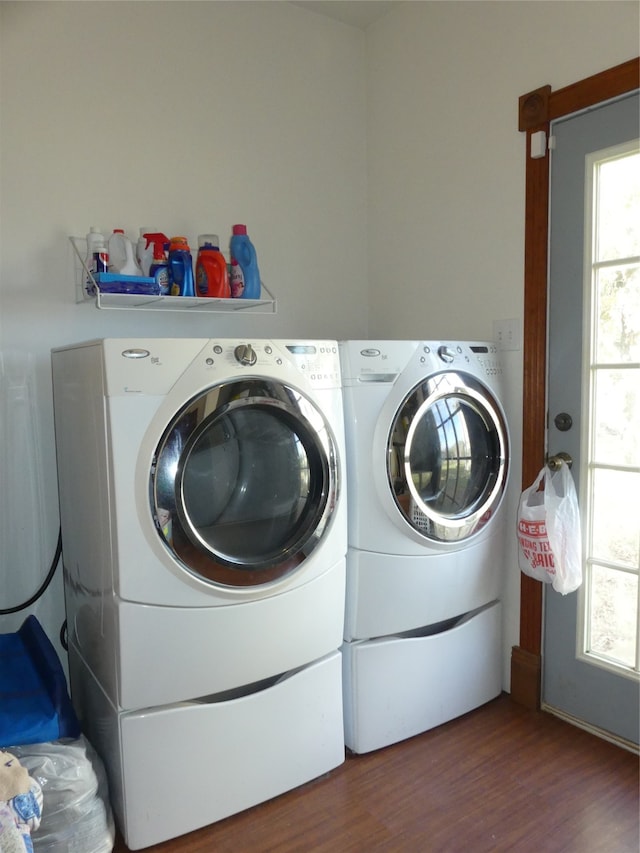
502 778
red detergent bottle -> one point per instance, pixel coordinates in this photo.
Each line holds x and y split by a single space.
212 276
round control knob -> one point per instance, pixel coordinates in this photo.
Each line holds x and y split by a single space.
245 354
446 354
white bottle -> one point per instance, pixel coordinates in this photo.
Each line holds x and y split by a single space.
121 259
130 266
95 242
117 251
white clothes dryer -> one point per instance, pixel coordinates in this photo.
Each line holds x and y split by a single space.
428 460
203 513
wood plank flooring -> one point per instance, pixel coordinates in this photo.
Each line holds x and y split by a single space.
501 778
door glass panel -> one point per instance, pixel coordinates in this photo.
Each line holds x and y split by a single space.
618 209
617 313
611 467
613 615
617 416
614 521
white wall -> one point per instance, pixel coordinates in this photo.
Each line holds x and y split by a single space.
446 173
191 116
184 116
446 160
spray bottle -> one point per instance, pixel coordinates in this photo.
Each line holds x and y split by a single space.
144 252
159 266
148 249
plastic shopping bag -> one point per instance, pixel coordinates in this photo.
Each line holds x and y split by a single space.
549 532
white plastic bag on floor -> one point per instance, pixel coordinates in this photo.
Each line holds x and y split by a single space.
549 531
76 814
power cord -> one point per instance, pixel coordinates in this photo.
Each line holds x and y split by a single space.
52 570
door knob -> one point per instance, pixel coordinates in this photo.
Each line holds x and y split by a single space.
562 458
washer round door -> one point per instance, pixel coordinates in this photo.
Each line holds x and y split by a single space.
244 482
447 457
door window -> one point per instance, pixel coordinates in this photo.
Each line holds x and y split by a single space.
448 457
610 467
244 482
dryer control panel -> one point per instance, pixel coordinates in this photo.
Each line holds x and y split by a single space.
317 361
484 356
488 357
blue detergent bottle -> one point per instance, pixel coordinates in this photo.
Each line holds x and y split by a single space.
180 268
243 251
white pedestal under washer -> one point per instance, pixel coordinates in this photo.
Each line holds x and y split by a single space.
427 458
203 512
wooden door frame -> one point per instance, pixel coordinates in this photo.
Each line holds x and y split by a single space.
537 110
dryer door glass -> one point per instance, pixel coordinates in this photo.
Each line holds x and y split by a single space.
245 482
448 457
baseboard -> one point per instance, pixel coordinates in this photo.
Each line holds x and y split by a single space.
526 668
623 743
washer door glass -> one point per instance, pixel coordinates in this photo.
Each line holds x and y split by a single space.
244 482
448 457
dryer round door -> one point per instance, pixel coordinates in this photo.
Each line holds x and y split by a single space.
447 457
244 482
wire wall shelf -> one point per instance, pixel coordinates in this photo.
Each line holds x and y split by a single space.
88 290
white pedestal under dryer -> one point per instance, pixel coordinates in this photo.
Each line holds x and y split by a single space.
203 510
427 460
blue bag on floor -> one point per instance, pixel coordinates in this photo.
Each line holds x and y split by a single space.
34 702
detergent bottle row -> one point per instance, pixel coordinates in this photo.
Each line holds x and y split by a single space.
113 254
240 280
168 261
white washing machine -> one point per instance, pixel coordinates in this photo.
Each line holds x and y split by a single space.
427 459
204 526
